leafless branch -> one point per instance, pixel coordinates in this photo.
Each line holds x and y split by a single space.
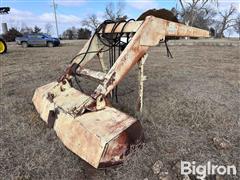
114 11
183 8
227 20
191 8
91 22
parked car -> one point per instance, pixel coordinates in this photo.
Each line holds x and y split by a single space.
3 45
37 40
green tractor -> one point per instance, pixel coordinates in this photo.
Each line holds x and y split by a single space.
3 45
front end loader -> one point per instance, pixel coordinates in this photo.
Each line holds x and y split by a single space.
87 124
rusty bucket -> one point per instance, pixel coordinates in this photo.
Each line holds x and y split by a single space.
102 138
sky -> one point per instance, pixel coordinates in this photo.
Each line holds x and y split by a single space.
72 12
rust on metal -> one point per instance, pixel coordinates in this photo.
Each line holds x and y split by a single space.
130 27
139 45
90 134
95 75
87 124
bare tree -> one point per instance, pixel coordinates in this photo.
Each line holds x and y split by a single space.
68 34
190 9
15 24
12 34
26 30
36 29
229 32
227 20
48 28
83 33
115 11
204 19
237 25
74 33
91 22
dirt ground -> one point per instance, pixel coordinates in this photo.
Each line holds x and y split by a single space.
188 101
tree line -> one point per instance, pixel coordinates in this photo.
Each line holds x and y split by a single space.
71 33
76 33
207 14
204 14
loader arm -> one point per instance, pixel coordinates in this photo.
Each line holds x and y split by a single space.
148 33
153 26
96 45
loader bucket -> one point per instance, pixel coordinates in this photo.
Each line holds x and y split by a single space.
86 123
102 138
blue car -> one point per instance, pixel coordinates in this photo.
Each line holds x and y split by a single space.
37 40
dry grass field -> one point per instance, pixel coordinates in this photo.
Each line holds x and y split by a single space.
188 101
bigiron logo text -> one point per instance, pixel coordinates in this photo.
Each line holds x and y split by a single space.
202 171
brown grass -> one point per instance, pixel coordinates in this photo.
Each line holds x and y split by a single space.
188 101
